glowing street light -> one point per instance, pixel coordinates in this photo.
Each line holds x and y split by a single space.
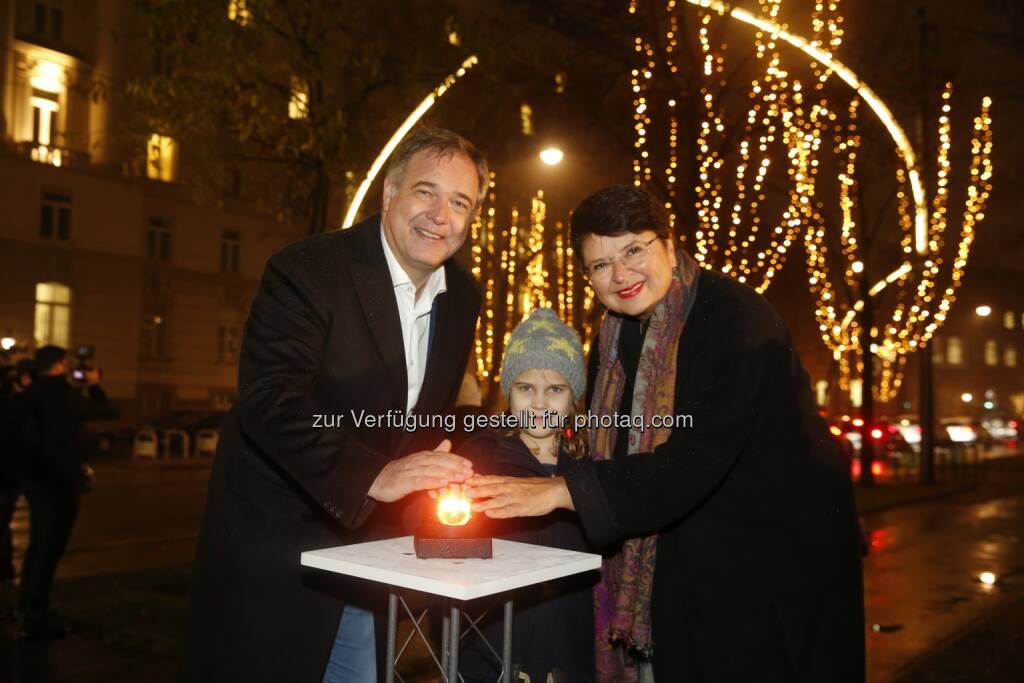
7 343
966 397
983 311
987 578
552 156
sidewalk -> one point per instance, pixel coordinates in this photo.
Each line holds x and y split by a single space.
124 593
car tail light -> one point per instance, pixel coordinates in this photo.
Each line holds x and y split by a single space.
836 431
877 469
877 434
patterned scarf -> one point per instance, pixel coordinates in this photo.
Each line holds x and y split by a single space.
622 601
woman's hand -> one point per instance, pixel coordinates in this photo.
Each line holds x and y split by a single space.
503 497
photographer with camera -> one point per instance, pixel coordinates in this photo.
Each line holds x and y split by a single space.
17 379
50 419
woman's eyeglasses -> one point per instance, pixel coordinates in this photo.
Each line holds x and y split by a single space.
634 256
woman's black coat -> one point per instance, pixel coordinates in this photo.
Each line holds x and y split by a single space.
758 574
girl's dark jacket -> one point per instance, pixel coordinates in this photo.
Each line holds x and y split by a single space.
553 630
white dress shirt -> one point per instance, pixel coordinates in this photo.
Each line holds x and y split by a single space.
414 315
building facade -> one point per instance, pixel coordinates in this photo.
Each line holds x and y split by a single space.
101 244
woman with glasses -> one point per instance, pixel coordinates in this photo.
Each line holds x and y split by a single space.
724 509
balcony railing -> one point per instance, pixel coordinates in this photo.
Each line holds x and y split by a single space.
53 155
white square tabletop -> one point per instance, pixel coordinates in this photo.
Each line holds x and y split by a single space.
393 561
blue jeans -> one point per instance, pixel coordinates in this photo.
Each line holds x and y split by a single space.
354 654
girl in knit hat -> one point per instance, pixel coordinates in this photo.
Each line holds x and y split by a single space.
543 377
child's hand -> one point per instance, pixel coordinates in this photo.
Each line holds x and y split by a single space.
502 497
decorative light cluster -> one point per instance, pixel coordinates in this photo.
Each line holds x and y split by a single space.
513 263
920 309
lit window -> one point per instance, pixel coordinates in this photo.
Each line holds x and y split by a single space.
991 352
55 216
158 240
230 246
161 157
821 391
1009 320
239 12
298 105
47 81
53 314
1010 356
954 351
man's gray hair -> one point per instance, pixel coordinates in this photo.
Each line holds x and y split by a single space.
441 142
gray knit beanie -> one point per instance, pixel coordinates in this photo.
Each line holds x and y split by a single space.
543 342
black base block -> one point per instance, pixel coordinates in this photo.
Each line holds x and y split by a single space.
434 539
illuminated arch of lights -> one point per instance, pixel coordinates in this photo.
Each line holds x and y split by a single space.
396 137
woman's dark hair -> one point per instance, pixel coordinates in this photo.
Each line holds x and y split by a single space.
615 211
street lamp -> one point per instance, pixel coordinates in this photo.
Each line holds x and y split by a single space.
8 343
983 311
551 156
966 397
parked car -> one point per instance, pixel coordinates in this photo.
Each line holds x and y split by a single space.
890 447
964 430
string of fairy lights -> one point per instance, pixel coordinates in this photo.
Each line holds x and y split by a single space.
788 132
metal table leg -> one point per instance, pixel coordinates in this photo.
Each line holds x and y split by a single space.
445 636
453 641
389 675
506 645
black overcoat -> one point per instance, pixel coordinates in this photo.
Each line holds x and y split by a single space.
323 338
758 574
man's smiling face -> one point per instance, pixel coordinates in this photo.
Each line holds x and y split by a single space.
426 215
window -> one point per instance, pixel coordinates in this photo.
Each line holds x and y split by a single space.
298 105
1010 356
47 83
49 21
53 314
954 351
991 352
158 240
1009 320
938 355
161 158
239 12
227 344
230 244
55 216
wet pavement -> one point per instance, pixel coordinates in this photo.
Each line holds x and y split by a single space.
922 577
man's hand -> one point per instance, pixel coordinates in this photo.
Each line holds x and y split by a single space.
502 497
420 471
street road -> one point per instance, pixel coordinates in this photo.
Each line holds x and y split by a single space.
921 577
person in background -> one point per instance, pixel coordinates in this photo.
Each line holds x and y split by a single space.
16 383
51 416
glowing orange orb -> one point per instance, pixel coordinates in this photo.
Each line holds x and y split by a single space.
453 510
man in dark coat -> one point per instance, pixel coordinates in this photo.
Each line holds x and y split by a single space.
49 420
757 574
342 323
